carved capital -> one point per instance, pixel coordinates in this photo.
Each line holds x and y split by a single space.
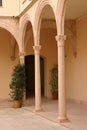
37 49
60 40
21 54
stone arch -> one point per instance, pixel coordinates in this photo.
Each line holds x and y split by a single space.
23 24
14 39
9 28
60 11
41 5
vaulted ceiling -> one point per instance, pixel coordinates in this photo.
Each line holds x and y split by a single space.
75 9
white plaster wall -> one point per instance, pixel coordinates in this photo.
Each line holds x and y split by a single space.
76 68
6 65
9 8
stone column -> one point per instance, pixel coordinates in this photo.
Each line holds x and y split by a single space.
22 61
37 78
61 79
22 57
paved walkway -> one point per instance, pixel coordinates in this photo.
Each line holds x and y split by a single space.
21 119
77 113
26 119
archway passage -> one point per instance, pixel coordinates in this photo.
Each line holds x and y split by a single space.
30 75
9 57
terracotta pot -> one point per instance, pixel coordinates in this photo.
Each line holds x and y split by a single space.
17 104
55 96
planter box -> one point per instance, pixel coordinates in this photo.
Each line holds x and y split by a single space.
17 104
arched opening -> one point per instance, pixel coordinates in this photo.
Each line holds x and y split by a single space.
76 53
30 65
48 46
30 75
29 61
9 56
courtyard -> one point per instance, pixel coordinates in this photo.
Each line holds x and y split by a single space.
26 119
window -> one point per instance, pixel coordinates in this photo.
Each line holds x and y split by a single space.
0 2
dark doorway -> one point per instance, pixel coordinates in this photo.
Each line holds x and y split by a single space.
30 75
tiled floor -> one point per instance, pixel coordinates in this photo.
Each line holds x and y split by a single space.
20 119
26 119
77 114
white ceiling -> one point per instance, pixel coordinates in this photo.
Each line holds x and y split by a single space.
74 10
48 13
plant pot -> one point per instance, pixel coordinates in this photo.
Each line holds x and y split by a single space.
54 96
17 103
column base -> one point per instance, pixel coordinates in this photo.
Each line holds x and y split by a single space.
63 120
39 110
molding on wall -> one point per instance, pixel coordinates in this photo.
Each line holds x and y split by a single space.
70 32
13 48
81 17
77 101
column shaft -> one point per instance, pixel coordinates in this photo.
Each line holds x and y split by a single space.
22 61
37 79
61 79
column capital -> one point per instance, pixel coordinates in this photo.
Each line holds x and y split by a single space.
60 37
21 54
37 49
60 40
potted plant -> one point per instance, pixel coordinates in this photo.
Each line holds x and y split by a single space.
54 82
17 85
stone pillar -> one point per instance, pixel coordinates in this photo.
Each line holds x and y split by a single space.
22 61
61 79
22 57
37 78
